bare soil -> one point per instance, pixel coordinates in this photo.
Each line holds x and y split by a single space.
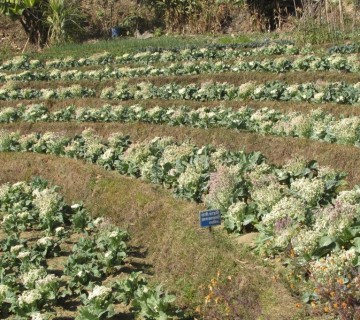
13 37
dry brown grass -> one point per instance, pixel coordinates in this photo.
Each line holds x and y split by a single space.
181 255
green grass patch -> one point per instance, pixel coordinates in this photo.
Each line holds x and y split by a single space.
123 45
241 38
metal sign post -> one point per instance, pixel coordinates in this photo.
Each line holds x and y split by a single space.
210 218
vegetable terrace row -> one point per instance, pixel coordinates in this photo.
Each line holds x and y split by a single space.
300 191
335 92
317 125
153 55
297 208
37 226
280 65
25 63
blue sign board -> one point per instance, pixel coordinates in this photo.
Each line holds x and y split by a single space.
210 218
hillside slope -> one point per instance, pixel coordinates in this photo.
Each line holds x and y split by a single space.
177 252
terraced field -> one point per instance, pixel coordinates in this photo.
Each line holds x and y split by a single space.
268 134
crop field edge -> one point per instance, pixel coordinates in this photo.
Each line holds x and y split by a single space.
144 212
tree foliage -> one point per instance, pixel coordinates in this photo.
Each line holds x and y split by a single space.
52 21
64 20
176 15
30 14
